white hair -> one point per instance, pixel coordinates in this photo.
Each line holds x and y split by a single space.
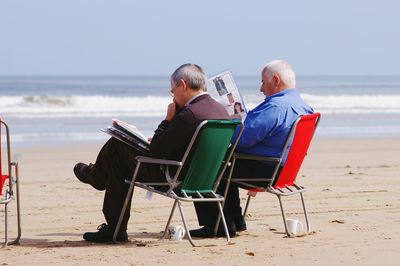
283 69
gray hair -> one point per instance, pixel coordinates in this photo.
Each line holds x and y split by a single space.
192 74
283 69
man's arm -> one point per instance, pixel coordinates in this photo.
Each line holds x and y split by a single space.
172 136
258 125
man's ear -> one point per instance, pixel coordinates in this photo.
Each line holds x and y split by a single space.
183 84
276 80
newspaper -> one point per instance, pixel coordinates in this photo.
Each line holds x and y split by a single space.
222 87
128 134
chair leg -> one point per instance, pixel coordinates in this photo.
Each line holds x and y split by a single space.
228 182
16 241
228 238
169 219
305 213
247 206
121 216
185 224
283 215
5 225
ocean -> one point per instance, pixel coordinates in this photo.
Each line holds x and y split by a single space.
56 110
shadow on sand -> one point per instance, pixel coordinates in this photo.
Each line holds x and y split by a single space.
135 239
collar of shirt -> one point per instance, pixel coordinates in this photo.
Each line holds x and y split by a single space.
194 97
286 91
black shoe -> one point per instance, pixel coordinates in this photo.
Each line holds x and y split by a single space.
105 234
82 172
204 232
207 231
240 224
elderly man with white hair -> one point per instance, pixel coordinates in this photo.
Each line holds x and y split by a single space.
265 130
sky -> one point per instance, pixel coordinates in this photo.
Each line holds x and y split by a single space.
122 37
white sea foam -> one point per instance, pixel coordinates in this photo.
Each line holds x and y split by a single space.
82 106
344 104
152 106
354 104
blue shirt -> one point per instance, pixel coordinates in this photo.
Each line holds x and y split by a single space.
267 126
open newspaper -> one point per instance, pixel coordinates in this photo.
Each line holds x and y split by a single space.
222 87
128 134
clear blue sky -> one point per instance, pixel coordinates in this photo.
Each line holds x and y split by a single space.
121 37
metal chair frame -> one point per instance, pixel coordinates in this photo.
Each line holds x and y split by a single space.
173 183
284 190
11 180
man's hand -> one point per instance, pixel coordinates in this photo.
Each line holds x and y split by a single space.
171 111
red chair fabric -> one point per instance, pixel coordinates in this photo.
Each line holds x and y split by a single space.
2 181
298 150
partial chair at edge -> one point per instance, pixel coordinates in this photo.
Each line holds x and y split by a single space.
9 186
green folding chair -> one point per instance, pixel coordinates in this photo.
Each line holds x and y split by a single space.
206 159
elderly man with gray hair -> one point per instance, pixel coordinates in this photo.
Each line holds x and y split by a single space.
116 161
265 130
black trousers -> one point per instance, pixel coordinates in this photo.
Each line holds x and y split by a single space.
115 163
207 213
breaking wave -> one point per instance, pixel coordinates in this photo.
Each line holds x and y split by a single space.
151 106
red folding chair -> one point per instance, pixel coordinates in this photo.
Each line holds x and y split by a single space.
8 182
282 183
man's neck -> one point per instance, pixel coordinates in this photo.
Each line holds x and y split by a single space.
283 87
195 95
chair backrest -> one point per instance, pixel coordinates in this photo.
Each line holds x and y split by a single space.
2 177
210 148
1 162
4 173
302 132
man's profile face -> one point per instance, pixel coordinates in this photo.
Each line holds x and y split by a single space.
266 85
178 93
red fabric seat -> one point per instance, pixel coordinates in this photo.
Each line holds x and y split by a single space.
2 181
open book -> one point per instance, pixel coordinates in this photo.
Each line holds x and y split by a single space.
222 87
128 134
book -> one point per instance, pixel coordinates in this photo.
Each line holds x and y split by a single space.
128 134
223 88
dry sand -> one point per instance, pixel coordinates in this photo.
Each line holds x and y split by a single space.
353 200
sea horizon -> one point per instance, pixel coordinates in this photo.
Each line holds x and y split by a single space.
50 110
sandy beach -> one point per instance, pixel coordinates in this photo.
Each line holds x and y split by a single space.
353 199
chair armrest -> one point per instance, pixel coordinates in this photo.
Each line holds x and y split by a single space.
255 157
144 159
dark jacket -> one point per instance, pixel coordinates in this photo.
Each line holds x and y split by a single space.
172 138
